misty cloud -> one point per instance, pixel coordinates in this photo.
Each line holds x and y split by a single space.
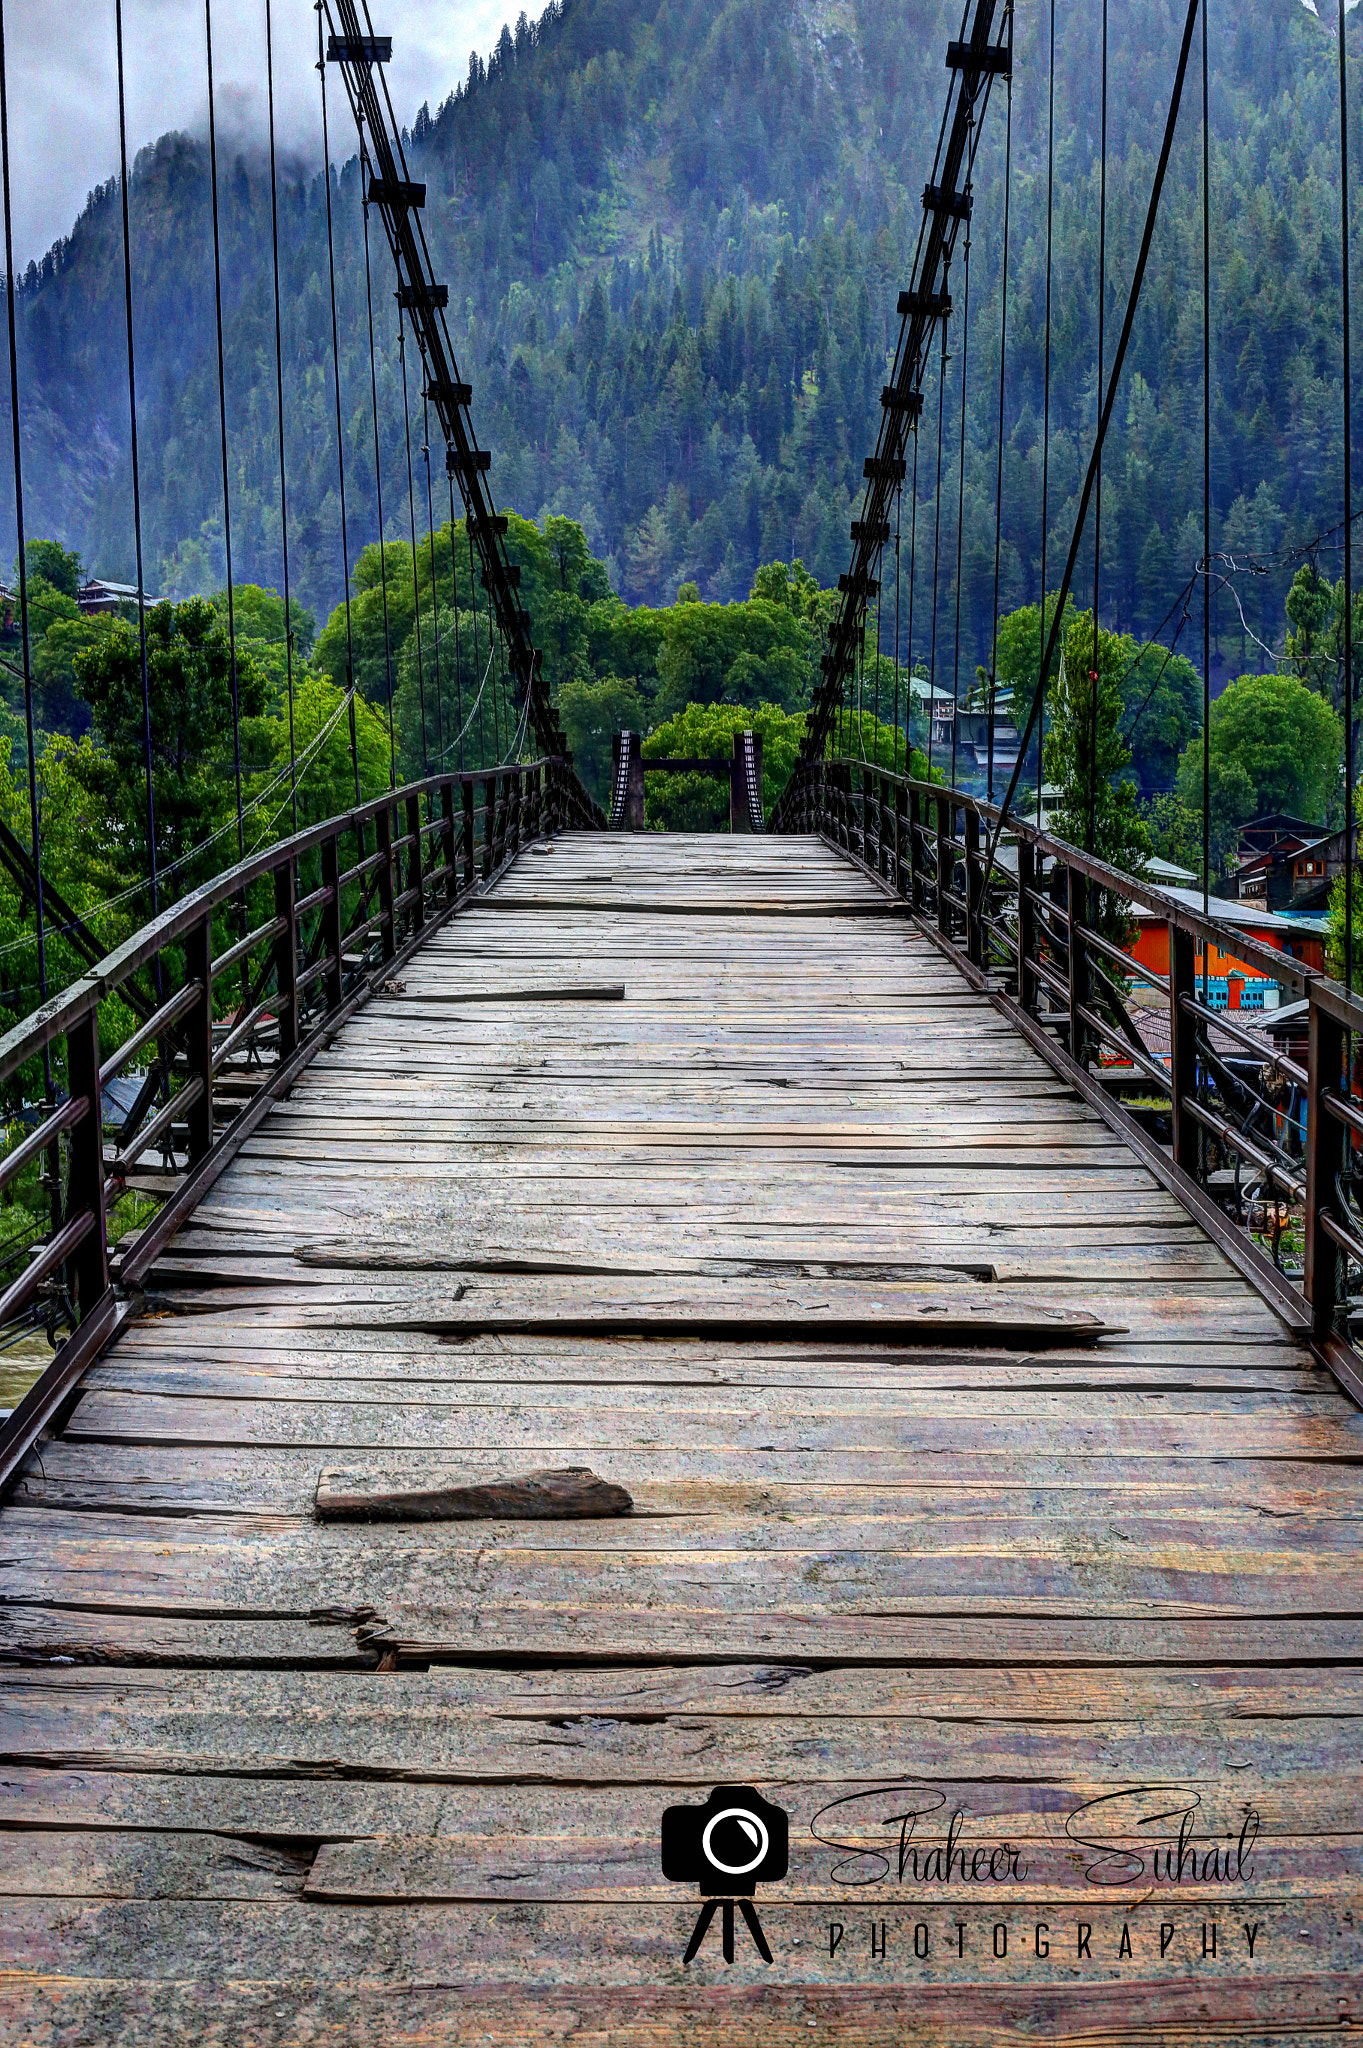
63 95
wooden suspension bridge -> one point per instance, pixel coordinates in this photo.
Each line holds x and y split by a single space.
968 1477
668 1380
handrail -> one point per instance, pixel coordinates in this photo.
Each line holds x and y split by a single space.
1031 926
313 933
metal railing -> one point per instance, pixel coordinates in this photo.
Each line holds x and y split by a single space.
254 971
1251 1136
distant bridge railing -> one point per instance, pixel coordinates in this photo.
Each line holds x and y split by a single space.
298 936
1253 1133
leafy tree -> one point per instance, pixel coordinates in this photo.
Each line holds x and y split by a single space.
1315 633
1161 711
1275 745
1019 655
593 710
57 566
1085 753
189 683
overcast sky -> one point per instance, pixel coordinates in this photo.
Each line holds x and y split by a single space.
63 97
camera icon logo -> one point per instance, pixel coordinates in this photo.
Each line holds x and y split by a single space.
727 1847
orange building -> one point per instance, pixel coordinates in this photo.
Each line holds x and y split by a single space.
1301 939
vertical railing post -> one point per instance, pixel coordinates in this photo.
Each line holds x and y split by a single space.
915 852
1077 907
198 1031
1183 1049
974 890
489 823
88 1265
415 876
331 919
1325 1143
286 957
1028 982
466 796
383 828
945 865
448 842
901 802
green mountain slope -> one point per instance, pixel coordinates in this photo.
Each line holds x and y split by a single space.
673 237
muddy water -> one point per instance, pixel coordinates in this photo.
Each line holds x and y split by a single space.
20 1366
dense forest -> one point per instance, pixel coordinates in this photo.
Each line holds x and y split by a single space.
674 237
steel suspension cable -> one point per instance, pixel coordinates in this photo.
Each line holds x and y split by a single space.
411 513
898 507
1114 381
137 484
435 595
960 510
53 1157
279 406
1098 482
378 477
222 429
1046 422
936 542
340 442
454 601
875 715
1003 357
1348 514
1206 496
913 579
473 588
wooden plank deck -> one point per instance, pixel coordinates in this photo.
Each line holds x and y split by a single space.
691 1161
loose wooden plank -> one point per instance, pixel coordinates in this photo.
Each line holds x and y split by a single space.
570 1493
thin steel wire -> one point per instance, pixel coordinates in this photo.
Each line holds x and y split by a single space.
152 876
960 512
454 602
936 543
411 513
39 911
1046 421
378 475
1348 511
1003 357
340 440
430 542
1098 483
222 428
279 404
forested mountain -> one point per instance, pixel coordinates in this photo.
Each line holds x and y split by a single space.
673 236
